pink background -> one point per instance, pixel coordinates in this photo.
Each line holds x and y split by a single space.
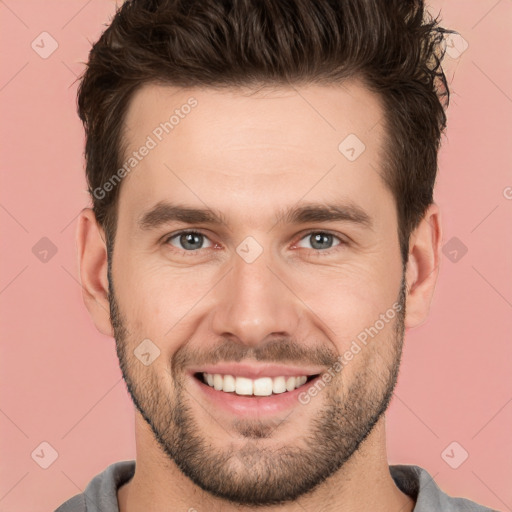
60 378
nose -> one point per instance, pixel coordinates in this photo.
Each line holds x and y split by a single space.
254 302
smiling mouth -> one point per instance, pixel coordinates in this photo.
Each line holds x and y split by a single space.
262 386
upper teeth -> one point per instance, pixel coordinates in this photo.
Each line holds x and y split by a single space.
263 386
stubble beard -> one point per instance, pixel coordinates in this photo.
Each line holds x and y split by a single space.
254 474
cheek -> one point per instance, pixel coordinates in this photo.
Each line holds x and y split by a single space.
161 304
357 311
350 298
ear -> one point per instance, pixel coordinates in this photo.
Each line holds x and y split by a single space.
423 266
92 261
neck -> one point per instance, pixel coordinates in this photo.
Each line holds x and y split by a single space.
364 483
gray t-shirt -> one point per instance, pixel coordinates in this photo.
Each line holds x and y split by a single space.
101 493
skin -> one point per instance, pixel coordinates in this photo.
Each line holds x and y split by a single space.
247 155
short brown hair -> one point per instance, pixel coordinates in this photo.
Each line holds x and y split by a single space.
393 46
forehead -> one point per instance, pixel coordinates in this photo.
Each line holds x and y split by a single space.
254 148
270 115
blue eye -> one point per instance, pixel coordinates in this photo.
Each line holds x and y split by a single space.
188 240
321 240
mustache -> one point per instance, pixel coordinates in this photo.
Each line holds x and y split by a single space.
276 351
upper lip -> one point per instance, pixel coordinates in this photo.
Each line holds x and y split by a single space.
252 371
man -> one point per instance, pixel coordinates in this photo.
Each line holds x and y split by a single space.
263 231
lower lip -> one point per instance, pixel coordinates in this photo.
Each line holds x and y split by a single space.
252 406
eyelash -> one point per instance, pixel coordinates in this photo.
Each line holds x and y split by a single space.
319 253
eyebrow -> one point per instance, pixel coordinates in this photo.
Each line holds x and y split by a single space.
313 212
164 212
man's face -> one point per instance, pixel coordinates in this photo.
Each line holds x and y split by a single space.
261 293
